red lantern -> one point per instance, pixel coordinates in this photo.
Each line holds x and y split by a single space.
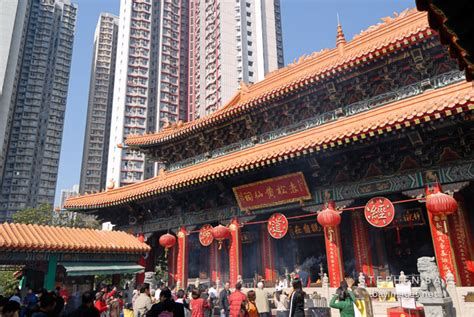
329 217
441 204
220 233
167 241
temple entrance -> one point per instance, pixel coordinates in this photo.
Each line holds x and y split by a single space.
390 249
302 247
198 259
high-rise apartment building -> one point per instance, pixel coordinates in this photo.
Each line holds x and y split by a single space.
38 104
151 76
99 111
12 22
230 42
68 193
182 59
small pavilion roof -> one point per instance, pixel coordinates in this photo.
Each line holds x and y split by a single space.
428 106
38 238
391 35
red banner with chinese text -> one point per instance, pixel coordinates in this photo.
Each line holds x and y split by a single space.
462 243
271 192
362 254
442 244
333 253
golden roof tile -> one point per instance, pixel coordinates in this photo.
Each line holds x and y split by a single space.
27 237
433 104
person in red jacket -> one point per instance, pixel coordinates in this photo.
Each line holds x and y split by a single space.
236 299
198 305
100 303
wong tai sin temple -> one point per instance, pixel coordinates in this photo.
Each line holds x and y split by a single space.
356 159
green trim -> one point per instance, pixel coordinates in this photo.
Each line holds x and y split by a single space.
86 269
50 277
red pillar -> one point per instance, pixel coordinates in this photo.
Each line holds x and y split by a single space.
362 252
214 262
442 245
140 277
334 255
268 255
461 238
235 252
182 261
172 257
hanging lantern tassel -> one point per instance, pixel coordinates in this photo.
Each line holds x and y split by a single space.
166 252
398 235
220 245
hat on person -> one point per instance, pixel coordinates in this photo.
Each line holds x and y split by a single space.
15 298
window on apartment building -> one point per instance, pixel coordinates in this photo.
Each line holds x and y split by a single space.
249 14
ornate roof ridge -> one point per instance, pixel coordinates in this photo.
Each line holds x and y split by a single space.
428 106
381 39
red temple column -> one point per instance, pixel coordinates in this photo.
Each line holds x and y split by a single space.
172 257
268 255
182 259
361 244
140 277
442 245
214 262
461 238
439 205
330 219
235 252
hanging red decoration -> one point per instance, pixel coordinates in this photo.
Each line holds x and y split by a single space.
329 217
439 203
379 212
167 241
277 225
205 235
220 233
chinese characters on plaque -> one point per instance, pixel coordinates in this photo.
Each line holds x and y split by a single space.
379 212
271 192
205 235
305 228
277 225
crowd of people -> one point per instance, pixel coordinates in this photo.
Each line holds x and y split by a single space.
163 302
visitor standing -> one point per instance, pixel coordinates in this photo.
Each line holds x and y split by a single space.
251 306
46 308
344 299
165 308
297 299
142 304
224 300
263 303
198 304
182 306
100 303
87 308
237 301
281 303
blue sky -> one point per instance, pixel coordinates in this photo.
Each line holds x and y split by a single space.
308 26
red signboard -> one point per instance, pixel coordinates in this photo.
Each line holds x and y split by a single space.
277 225
271 192
205 235
379 212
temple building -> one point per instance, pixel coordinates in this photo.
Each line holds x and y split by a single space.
356 159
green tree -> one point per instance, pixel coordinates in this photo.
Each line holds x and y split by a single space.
8 282
45 215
